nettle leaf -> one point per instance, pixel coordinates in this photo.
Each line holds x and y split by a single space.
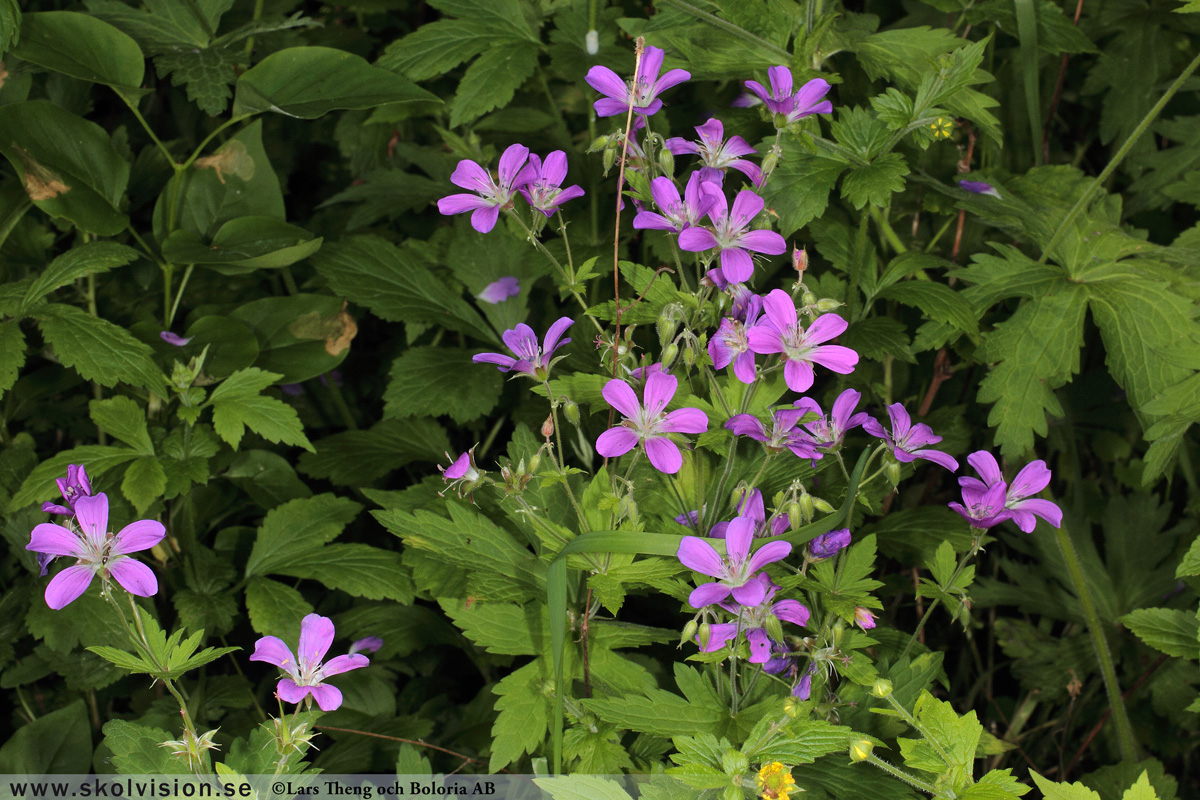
68 165
359 570
135 749
503 628
1038 351
237 404
243 245
124 419
1174 632
359 457
298 527
877 337
491 81
585 787
90 258
437 47
937 301
275 608
97 349
145 481
309 82
82 46
441 380
800 185
876 182
521 723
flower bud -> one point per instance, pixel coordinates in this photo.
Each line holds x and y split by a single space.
792 707
591 42
795 517
882 688
774 628
669 353
768 163
893 473
610 158
828 304
781 120
808 299
571 409
668 323
666 162
535 462
822 505
600 143
805 502
689 632
860 750
689 357
828 544
548 427
799 261
705 635
864 618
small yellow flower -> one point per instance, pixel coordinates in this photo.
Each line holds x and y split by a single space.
775 781
941 128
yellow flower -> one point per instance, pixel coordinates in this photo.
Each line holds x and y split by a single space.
775 781
941 128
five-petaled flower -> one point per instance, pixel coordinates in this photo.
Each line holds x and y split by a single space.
779 331
649 424
647 86
73 487
731 234
793 104
1018 503
752 621
908 441
97 552
491 195
676 214
717 153
784 432
544 190
531 359
729 345
307 676
736 571
828 432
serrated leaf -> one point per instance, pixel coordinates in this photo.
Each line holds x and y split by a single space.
937 301
242 245
124 419
1174 632
875 183
97 349
12 354
583 787
145 481
436 48
1190 565
296 528
520 724
1063 791
491 81
135 749
438 381
124 660
91 258
503 628
360 457
877 337
237 405
799 187
275 608
39 484
207 72
359 570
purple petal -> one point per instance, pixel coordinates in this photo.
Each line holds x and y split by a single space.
672 78
135 576
751 593
743 367
1043 508
765 339
781 82
68 585
811 93
697 240
938 457
986 465
700 556
780 309
505 363
54 540
652 61
685 420
92 514
648 220
606 82
511 162
620 396
747 425
760 646
769 553
707 593
680 146
763 241
551 341
798 375
824 328
173 338
791 611
835 357
664 455
484 219
610 107
901 421
53 508
140 535
738 537
746 207
469 175
340 664
736 264
720 633
758 90
462 203
616 442
272 650
290 692
1034 477
316 635
499 291
660 388
843 407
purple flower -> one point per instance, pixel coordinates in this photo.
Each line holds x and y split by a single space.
863 618
752 508
490 195
979 187
543 190
647 86
731 235
174 338
730 345
97 552
461 467
677 214
786 660
828 544
368 644
746 304
783 434
649 424
780 332
530 359
795 105
753 622
736 571
1021 507
499 291
716 153
829 432
306 676
908 441
982 508
75 486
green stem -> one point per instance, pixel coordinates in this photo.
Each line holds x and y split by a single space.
187 273
146 126
1142 127
204 142
258 11
886 228
962 563
541 248
896 772
14 216
339 402
773 50
1120 717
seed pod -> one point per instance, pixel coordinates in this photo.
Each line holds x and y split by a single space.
689 357
808 299
535 462
799 261
882 688
822 505
705 635
795 516
610 158
893 473
666 162
828 304
768 164
805 502
669 353
781 120
571 409
689 632
774 628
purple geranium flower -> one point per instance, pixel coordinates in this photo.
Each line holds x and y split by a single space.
794 105
908 441
544 190
717 153
786 660
753 622
982 508
530 359
828 544
783 434
780 332
75 486
368 644
731 235
730 345
650 424
647 86
1021 507
97 552
863 618
746 305
499 291
736 571
979 187
307 676
829 432
174 338
491 195
751 507
677 214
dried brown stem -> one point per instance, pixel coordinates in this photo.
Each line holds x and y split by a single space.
1087 742
401 739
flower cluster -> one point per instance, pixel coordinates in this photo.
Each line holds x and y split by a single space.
538 182
989 502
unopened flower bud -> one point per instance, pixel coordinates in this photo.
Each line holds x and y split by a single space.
591 42
781 120
689 632
795 516
792 708
805 502
669 353
548 427
609 158
600 143
774 628
822 505
864 618
882 688
827 304
893 473
799 261
808 299
860 750
535 462
705 635
571 409
666 162
769 162
689 357
828 544
668 323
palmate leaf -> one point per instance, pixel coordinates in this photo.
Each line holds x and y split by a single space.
1174 632
440 381
799 187
207 73
237 404
491 81
520 725
296 528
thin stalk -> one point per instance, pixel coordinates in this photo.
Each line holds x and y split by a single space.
886 228
541 248
146 126
187 273
258 12
962 563
639 50
339 402
896 772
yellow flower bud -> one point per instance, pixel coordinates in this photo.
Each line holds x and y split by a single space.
860 750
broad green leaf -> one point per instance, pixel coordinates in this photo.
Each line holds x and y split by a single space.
267 477
39 484
237 405
91 258
1039 347
97 349
359 570
231 344
135 749
799 187
520 725
308 82
440 381
58 742
298 334
1190 565
243 245
10 24
207 73
660 713
876 337
582 787
154 32
503 628
12 354
504 18
67 165
1141 790
436 48
124 419
296 528
491 81
1112 781
937 301
275 608
82 46
875 183
1174 632
360 457
396 285
145 481
803 742
1063 791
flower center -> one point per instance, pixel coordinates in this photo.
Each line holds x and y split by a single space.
795 346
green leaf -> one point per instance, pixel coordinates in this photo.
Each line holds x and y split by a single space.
12 354
237 405
296 333
1174 632
1190 565
243 245
803 742
520 725
67 165
124 660
124 419
207 73
660 713
359 570
1141 790
296 528
877 337
135 749
799 187
937 301
504 18
437 47
90 258
360 457
491 81
503 628
39 484
97 349
438 381
396 286
58 742
155 32
275 608
82 46
582 787
10 24
145 481
1063 791
876 182
308 82
1038 351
